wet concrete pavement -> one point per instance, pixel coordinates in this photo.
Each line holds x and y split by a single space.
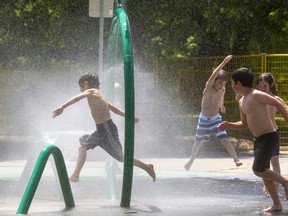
213 186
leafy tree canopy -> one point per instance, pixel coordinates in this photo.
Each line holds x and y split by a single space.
50 32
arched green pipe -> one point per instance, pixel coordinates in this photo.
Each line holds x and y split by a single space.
129 107
121 18
36 176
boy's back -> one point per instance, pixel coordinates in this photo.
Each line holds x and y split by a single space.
257 113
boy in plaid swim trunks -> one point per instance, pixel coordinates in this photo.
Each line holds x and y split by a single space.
106 136
213 103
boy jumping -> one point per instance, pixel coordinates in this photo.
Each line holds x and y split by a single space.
209 118
106 136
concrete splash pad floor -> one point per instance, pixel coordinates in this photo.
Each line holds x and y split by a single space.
212 187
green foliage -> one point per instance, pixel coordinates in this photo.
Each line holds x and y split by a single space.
209 28
38 33
42 34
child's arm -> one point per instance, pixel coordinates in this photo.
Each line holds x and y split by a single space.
264 98
71 101
283 102
282 108
118 111
224 125
240 125
222 108
217 70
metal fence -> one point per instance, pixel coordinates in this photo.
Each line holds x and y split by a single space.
183 80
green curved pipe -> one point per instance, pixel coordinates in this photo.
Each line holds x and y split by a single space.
129 107
36 176
121 18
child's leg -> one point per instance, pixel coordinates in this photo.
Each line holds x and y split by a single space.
276 164
273 176
195 148
231 150
271 188
276 168
80 162
149 168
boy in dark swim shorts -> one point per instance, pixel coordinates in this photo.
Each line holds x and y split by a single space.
106 136
254 114
264 147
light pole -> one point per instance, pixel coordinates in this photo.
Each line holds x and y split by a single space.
102 9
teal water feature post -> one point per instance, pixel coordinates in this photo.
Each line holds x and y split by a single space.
121 20
129 107
36 176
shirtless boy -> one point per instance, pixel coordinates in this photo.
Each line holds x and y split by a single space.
254 114
212 103
106 136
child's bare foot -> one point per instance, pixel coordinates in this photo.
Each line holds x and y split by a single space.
74 178
238 163
151 172
187 165
275 208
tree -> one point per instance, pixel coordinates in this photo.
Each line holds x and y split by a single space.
42 33
209 28
38 33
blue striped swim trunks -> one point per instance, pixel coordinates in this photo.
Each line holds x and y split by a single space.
208 124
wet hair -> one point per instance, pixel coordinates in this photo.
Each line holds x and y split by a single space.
267 77
91 78
244 76
222 76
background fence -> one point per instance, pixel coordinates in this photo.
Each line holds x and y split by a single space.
167 102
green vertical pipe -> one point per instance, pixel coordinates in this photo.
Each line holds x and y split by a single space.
129 107
36 176
121 18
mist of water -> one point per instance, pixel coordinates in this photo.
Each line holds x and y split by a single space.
41 93
29 107
31 96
